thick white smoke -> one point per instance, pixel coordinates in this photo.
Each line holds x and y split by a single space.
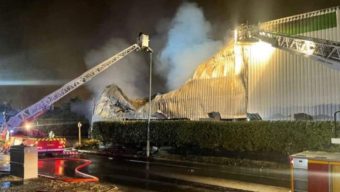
128 74
188 45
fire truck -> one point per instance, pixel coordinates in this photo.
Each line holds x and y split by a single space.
44 145
34 137
10 129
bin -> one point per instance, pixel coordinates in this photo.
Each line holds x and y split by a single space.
24 161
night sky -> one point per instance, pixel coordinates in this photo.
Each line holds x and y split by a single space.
48 39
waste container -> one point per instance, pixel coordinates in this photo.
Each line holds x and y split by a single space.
24 161
315 172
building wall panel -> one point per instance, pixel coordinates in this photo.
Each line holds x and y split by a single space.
287 84
291 83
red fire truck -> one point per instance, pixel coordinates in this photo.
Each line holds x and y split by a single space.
50 145
34 137
44 145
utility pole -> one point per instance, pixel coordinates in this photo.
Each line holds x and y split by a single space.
150 108
79 132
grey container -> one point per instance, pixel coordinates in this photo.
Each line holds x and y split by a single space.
24 161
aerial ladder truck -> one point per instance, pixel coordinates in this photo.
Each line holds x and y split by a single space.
37 109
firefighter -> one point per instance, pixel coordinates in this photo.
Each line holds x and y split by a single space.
51 135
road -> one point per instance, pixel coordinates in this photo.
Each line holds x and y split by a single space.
161 175
164 176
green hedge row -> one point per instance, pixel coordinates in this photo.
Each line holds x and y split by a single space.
284 137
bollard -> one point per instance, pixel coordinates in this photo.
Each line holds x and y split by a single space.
24 161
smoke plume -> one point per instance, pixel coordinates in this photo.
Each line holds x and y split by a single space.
184 42
188 44
128 73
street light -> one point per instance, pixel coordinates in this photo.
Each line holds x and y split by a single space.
149 114
79 132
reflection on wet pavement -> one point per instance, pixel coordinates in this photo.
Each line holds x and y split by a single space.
151 176
65 169
57 167
176 176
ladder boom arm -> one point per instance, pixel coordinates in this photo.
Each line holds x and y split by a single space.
38 108
325 51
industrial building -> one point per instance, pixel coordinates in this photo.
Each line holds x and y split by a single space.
254 77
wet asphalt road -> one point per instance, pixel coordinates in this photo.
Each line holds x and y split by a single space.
139 175
161 175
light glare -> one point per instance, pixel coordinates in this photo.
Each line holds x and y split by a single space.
28 126
309 48
235 35
238 59
262 51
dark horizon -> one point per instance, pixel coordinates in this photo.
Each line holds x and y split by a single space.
48 40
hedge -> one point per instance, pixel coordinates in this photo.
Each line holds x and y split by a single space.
283 137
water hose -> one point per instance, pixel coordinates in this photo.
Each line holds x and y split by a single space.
84 177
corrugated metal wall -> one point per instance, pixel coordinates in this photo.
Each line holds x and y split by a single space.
287 83
199 97
214 88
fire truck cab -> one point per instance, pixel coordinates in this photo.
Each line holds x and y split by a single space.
53 146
